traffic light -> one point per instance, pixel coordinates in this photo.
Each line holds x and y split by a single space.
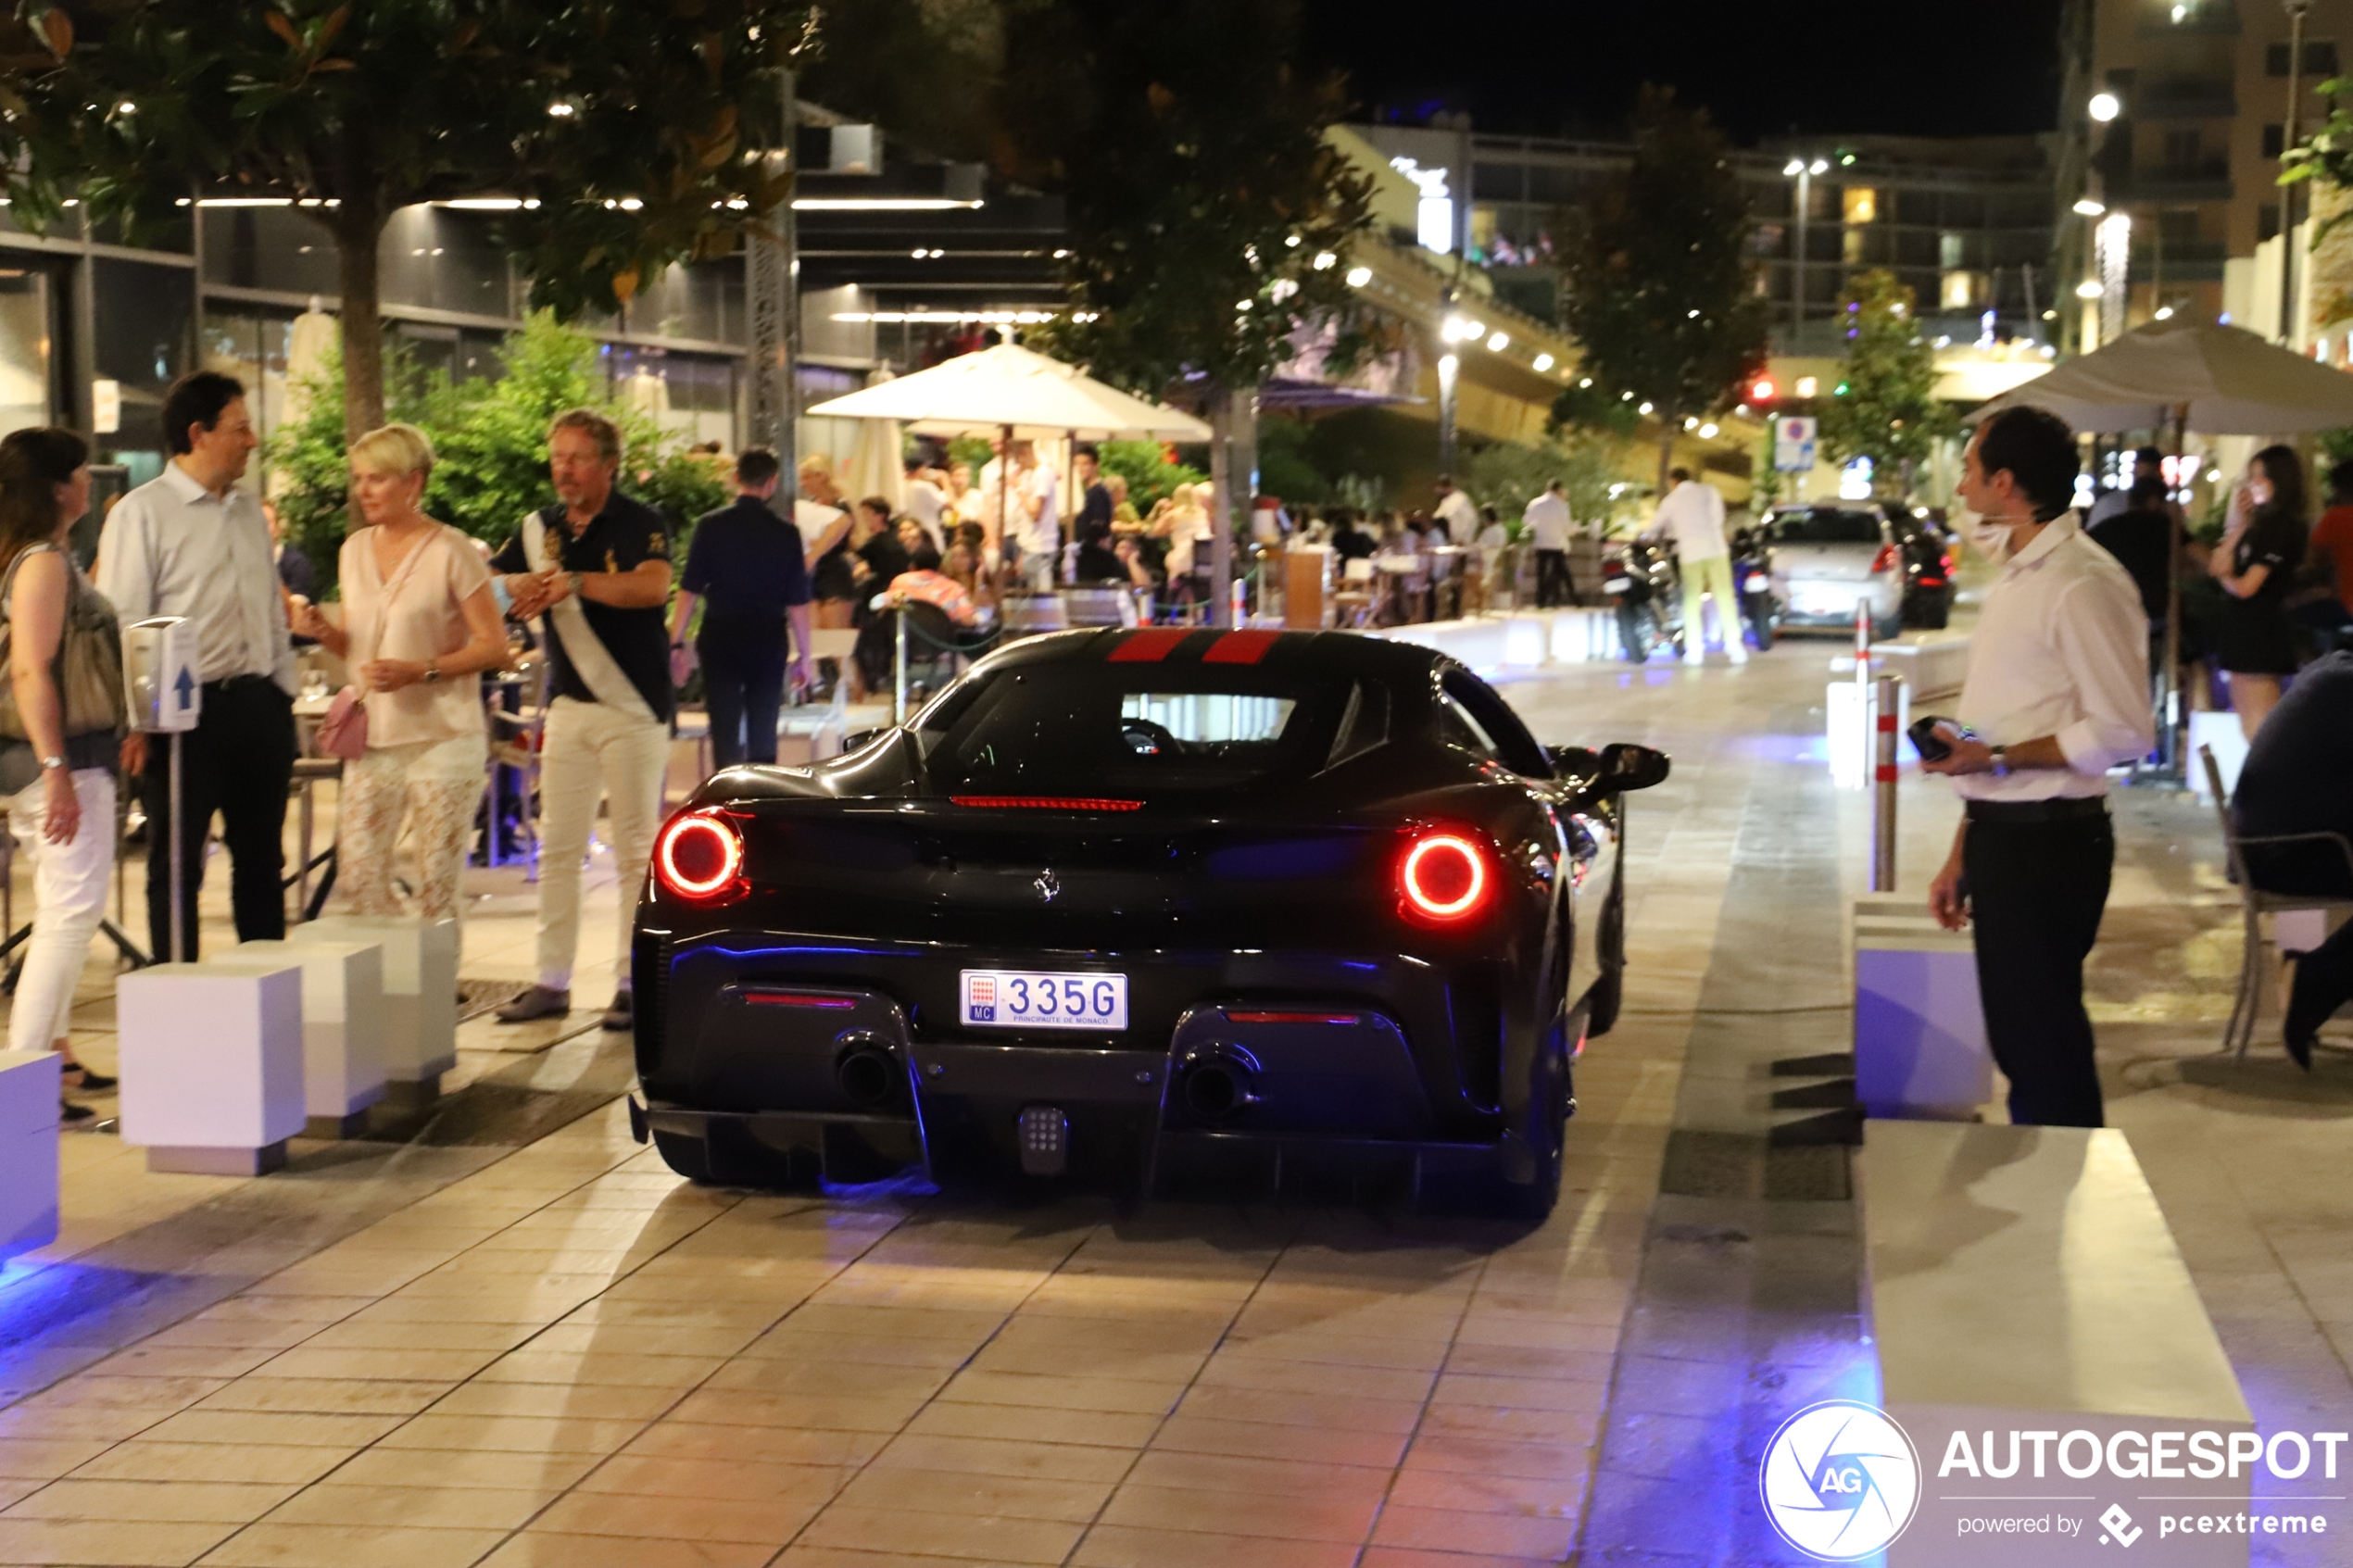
1764 392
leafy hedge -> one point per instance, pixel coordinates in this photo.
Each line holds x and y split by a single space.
490 443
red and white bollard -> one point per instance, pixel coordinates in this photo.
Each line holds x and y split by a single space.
1240 608
1883 786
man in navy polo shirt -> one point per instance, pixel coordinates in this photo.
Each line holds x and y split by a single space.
744 565
596 565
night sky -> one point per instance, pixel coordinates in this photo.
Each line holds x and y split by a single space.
1573 67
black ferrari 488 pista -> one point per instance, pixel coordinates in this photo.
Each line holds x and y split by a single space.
1168 910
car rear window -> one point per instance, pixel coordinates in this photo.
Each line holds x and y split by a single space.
1826 525
1097 729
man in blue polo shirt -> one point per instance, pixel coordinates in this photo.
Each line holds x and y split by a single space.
744 565
596 566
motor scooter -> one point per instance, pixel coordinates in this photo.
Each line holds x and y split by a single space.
1753 584
1643 586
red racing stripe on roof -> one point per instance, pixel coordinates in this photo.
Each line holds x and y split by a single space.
1148 646
1239 648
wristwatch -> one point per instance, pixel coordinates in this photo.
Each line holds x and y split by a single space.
2001 761
573 578
433 673
49 762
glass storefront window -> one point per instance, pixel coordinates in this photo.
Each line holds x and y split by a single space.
25 348
141 343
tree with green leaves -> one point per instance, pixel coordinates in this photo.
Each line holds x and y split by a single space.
1210 219
1659 285
1885 407
631 133
490 442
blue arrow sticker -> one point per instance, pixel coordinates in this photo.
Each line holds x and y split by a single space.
185 686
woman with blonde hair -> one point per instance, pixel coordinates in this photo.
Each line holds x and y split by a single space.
420 625
63 644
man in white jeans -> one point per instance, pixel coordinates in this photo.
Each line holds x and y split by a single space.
597 564
1693 515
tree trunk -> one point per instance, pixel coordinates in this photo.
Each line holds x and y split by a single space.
358 236
1221 506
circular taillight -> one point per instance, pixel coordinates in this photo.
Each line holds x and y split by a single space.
701 855
1444 876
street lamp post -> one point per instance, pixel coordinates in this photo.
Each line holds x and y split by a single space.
1803 171
2296 12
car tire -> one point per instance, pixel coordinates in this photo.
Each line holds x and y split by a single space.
1603 1001
1634 634
687 1155
1760 624
1546 1131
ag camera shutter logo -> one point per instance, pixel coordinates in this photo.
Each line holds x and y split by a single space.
1840 1480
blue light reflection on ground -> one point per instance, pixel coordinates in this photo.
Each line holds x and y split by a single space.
38 1298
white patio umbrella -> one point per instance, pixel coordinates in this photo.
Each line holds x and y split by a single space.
2187 375
2191 375
1016 394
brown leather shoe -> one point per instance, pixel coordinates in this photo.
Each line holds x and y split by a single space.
538 1002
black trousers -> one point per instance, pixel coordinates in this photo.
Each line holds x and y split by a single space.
743 683
1553 583
2037 892
239 761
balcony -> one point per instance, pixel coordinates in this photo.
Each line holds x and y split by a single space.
2209 179
2186 98
2184 261
2205 18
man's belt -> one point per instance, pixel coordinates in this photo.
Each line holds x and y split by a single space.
238 683
2067 809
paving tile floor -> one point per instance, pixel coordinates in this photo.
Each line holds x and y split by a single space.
519 1339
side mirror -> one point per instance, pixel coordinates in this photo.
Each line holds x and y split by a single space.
1626 766
1579 762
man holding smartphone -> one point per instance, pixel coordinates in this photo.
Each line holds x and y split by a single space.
2057 694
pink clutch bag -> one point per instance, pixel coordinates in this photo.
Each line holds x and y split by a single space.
343 731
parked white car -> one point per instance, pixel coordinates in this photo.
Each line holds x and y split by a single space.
1827 557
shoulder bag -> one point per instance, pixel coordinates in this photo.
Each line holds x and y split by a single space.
88 666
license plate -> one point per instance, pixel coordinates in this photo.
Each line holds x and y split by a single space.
1617 584
1758 583
1033 999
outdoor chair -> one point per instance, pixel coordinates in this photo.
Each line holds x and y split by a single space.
2257 903
1353 605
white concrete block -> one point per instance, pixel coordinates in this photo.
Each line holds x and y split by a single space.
343 1025
1920 1026
27 1150
421 989
2024 1279
1585 636
1528 639
1931 663
2300 931
1851 708
1478 643
211 1055
2221 731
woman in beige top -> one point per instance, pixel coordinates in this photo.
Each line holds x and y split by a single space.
420 620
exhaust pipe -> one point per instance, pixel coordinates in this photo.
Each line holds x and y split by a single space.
868 1074
1220 1082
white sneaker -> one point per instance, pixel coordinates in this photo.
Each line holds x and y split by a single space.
1739 653
1695 657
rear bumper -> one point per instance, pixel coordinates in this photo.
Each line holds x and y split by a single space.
1239 1099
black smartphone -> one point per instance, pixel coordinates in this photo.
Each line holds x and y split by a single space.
1932 745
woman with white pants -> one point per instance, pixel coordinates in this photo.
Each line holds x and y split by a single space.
420 626
64 820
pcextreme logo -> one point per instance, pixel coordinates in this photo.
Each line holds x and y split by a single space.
1840 1480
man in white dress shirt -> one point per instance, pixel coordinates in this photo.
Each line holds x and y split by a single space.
1548 524
1456 512
2057 694
1693 515
190 543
